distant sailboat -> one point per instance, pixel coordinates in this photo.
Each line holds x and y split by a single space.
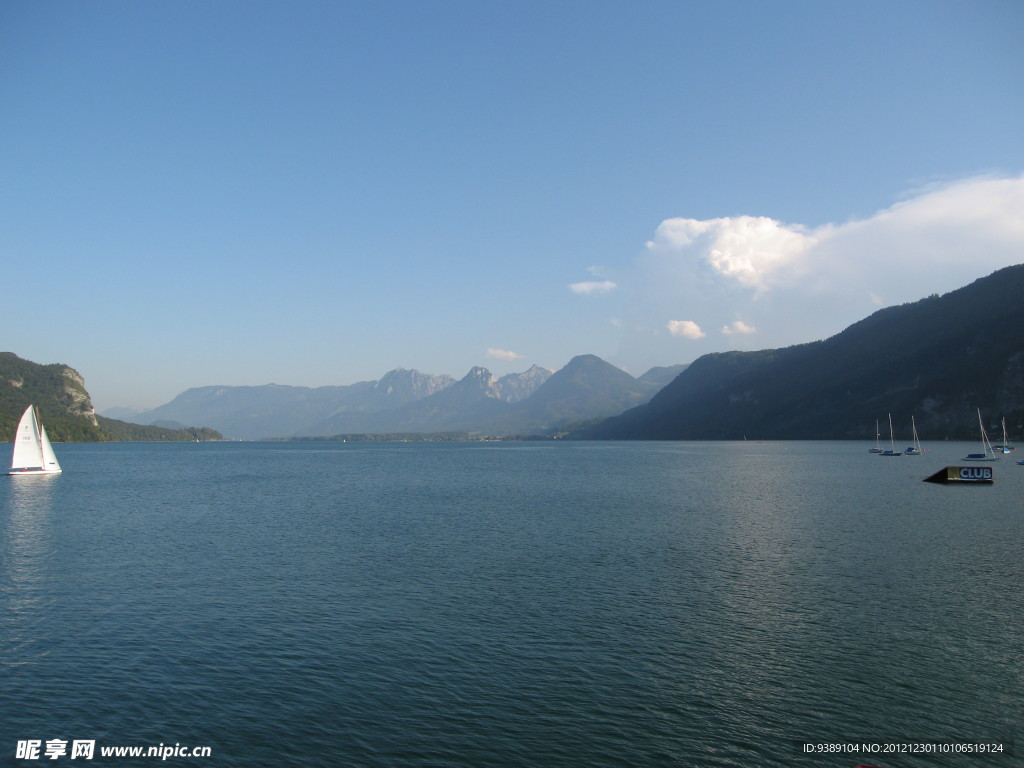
878 438
915 448
1006 447
33 454
892 440
987 453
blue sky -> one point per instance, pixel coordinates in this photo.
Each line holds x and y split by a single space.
315 193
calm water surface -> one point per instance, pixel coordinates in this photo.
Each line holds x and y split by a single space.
517 604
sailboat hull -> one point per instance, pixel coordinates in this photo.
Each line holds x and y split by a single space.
34 472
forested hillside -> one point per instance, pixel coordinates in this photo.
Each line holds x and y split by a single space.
58 392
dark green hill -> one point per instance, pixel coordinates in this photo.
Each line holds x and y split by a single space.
58 391
939 359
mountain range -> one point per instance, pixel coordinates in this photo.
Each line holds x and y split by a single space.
939 360
402 401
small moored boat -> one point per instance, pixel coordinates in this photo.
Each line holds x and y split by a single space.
987 453
878 438
1006 446
892 440
915 449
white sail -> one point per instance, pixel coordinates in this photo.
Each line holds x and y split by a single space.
28 451
50 463
33 453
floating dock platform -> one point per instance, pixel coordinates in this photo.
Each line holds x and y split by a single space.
973 475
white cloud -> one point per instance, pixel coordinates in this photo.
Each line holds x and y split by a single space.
587 288
738 327
685 328
503 354
944 236
934 242
794 284
746 248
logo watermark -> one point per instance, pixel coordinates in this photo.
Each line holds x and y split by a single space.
86 749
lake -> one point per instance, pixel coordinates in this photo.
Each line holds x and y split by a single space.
511 604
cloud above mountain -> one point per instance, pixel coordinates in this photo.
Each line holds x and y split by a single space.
747 249
686 329
503 354
792 283
737 327
967 226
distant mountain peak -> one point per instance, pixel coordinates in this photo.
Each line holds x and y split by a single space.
662 375
515 387
586 360
411 384
587 387
479 378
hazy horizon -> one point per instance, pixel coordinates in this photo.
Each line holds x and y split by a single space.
234 193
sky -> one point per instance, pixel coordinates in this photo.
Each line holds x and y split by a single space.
212 192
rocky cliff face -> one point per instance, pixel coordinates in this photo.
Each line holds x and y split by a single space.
55 387
58 392
519 386
78 401
478 383
402 386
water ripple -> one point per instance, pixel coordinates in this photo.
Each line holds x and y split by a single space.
550 605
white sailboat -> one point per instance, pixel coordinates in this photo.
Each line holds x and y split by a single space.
987 453
892 441
878 438
33 454
1006 447
915 448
